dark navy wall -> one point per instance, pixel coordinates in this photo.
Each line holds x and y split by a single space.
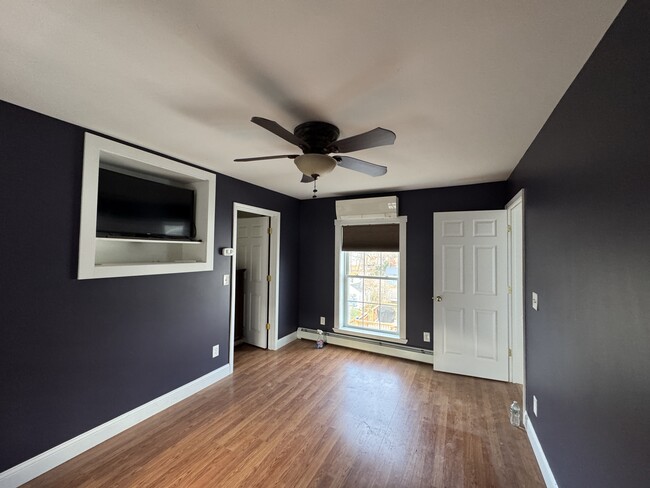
317 251
75 354
587 212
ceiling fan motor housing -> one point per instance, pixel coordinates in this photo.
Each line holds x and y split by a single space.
318 135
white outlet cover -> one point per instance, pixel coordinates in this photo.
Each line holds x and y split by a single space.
426 336
215 351
535 405
535 301
226 280
322 321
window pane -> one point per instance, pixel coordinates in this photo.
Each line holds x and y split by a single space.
354 314
354 290
371 316
373 264
390 264
355 263
371 290
389 292
387 315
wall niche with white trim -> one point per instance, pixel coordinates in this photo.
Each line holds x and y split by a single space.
142 214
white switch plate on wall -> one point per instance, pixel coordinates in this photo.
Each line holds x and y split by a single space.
226 280
322 321
426 336
535 301
215 351
535 405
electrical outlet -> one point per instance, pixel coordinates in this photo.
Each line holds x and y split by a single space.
535 301
426 336
322 321
226 280
535 405
215 351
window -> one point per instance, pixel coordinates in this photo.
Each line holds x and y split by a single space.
371 257
371 290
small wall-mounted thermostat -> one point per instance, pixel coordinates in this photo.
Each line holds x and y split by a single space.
227 251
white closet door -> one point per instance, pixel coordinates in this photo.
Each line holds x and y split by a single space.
471 293
253 255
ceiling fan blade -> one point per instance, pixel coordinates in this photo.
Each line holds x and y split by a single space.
361 166
244 160
372 138
306 179
280 131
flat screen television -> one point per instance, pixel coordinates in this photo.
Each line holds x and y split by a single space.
128 206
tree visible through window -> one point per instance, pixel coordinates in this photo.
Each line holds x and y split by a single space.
371 290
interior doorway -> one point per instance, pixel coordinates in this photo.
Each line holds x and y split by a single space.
255 272
252 284
515 211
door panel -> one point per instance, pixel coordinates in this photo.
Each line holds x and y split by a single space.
253 256
470 280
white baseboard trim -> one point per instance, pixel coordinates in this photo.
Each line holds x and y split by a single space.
286 340
36 466
544 467
369 345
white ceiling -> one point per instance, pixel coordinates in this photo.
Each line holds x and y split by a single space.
465 85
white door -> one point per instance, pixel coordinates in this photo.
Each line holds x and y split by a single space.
253 256
470 318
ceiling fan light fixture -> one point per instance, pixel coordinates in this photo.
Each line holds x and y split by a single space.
315 164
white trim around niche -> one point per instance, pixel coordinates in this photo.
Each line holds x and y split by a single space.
109 258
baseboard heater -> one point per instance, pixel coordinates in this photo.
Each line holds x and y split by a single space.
371 345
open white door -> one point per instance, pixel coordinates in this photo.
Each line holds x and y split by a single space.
470 293
253 256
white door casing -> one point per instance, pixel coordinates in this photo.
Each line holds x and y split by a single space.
253 255
470 293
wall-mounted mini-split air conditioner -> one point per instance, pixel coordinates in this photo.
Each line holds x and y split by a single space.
367 208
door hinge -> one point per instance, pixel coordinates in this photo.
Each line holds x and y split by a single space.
509 228
509 352
268 278
268 326
270 230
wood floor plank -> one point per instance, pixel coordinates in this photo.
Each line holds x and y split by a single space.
336 417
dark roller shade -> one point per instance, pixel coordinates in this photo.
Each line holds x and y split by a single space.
378 238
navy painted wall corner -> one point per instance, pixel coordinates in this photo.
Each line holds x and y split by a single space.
587 228
317 217
75 354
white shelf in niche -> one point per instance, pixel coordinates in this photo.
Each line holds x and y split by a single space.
109 257
148 241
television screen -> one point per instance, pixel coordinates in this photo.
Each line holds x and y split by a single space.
128 206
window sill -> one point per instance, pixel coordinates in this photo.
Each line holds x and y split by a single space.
371 335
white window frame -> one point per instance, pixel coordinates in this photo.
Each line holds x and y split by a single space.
339 293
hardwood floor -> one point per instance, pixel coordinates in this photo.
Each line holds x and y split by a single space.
336 417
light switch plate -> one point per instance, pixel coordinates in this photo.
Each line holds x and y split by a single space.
322 321
215 351
226 280
535 301
426 336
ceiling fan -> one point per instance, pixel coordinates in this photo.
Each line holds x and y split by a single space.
317 140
